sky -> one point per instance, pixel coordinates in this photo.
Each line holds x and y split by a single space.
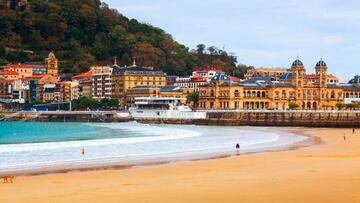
262 33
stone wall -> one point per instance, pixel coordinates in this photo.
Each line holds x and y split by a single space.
305 119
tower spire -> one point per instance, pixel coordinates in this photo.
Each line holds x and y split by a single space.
115 61
134 62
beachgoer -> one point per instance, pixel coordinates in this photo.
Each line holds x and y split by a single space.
237 146
344 137
353 130
83 151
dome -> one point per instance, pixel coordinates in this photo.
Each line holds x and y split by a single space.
320 63
220 77
355 80
297 62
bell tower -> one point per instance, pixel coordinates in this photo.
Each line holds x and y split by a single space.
52 65
298 74
321 73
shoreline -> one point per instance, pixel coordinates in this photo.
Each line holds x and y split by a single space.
322 173
166 159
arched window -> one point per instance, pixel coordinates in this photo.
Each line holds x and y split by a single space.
253 94
236 93
258 94
263 94
277 95
283 94
212 93
332 95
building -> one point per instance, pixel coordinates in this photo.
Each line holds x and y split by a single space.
206 73
52 65
124 78
85 83
295 88
155 91
276 73
37 84
192 82
22 70
221 93
101 82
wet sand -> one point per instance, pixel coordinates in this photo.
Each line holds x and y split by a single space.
326 172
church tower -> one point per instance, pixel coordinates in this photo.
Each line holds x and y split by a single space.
52 65
321 73
298 74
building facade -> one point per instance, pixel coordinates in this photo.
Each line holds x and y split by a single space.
298 91
124 78
101 82
276 73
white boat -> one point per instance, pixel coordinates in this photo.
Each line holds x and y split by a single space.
158 107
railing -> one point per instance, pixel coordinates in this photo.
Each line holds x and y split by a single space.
280 111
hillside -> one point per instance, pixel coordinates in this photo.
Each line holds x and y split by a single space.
87 32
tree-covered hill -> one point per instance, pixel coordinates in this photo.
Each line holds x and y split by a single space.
87 32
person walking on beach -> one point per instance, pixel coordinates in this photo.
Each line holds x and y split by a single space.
344 137
353 130
83 151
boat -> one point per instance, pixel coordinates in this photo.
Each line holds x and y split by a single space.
163 108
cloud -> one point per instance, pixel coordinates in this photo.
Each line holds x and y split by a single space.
261 32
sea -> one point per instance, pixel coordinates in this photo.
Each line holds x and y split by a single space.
26 146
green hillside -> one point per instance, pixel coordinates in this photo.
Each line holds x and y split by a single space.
87 32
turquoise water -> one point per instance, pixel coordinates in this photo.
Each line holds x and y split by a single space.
34 145
38 132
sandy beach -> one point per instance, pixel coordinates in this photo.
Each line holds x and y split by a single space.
326 172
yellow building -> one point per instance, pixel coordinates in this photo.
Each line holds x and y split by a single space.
52 65
276 73
313 93
124 78
221 93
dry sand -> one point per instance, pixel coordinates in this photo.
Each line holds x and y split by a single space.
327 172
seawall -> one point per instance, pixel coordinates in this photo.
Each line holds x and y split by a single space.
304 119
342 119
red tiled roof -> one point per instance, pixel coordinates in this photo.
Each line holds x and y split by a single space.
310 76
234 79
197 77
331 76
83 75
314 76
9 73
17 66
207 69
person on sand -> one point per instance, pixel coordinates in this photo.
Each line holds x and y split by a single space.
83 151
237 146
344 137
353 130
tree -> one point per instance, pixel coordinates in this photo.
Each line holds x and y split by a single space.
340 106
293 106
88 32
200 48
193 98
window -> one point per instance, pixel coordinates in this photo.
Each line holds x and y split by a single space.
236 94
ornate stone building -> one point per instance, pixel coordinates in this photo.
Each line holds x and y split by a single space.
313 93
